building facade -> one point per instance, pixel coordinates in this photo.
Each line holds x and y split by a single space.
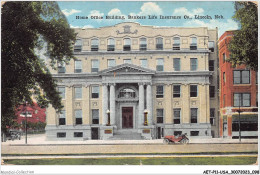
239 91
35 113
130 79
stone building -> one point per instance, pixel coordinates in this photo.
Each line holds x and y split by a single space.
138 82
238 91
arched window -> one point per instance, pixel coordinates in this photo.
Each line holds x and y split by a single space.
143 44
159 43
127 44
126 93
110 44
94 45
78 45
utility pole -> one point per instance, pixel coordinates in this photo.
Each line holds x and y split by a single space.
239 111
25 122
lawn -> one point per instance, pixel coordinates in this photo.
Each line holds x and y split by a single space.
238 160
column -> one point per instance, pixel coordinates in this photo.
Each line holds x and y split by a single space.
112 105
141 105
149 102
104 104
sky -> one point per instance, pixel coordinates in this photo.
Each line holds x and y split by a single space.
157 8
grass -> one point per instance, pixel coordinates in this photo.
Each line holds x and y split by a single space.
238 160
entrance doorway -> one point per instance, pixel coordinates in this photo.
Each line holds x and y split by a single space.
160 132
94 134
127 117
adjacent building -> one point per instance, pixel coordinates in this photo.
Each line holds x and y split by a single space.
238 92
35 113
130 79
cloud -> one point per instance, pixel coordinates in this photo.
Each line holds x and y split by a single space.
84 27
183 11
222 26
70 12
96 13
115 11
150 8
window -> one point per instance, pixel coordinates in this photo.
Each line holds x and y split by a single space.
129 61
193 64
212 91
160 64
257 99
212 116
194 115
224 57
159 91
224 77
95 116
159 115
177 64
159 43
143 63
78 66
127 44
241 76
78 45
78 92
176 43
256 77
95 92
176 91
62 118
194 133
110 44
177 116
193 90
224 100
62 92
111 63
143 44
177 133
78 134
94 45
244 98
95 65
211 65
61 134
211 46
78 116
61 68
193 44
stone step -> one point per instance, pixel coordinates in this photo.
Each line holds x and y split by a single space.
126 135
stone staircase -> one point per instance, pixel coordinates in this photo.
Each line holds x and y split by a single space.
126 134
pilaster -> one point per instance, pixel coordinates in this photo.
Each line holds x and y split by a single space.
185 117
104 104
69 105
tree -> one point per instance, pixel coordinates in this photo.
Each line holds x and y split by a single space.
243 46
26 28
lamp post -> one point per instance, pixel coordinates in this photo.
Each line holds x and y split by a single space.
145 117
108 117
25 114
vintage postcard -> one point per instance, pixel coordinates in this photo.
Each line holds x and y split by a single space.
165 83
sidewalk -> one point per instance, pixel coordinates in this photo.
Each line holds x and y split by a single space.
40 139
